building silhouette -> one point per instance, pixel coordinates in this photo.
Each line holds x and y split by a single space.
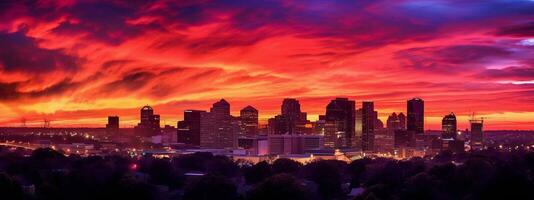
112 127
340 121
402 120
248 117
393 123
278 125
149 124
368 120
477 134
416 115
291 120
291 108
295 119
449 127
216 127
188 130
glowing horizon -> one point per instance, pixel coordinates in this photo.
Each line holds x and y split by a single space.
75 63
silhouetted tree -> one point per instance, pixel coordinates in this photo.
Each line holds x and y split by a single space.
328 176
211 187
257 173
284 165
356 169
223 166
280 187
9 189
193 162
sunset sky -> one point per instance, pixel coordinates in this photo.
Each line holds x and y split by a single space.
76 62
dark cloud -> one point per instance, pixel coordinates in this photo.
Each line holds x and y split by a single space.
21 53
468 53
114 63
450 59
354 24
104 21
131 81
509 73
518 30
11 91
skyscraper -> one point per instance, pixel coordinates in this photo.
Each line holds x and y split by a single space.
393 122
249 121
216 128
278 125
291 120
189 129
340 114
416 115
368 122
448 126
291 108
402 120
112 127
149 124
477 134
291 112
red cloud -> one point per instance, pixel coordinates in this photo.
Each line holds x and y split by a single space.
77 62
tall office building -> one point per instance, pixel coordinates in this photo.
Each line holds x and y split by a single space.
416 115
189 129
477 134
249 121
402 120
368 122
393 122
292 114
216 127
340 119
278 125
291 108
112 127
448 127
291 120
150 123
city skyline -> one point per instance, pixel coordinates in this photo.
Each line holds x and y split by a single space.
263 120
91 60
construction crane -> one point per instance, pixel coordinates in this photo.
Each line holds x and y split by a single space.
474 119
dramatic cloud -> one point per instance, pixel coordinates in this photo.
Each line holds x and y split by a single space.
21 53
76 62
519 30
